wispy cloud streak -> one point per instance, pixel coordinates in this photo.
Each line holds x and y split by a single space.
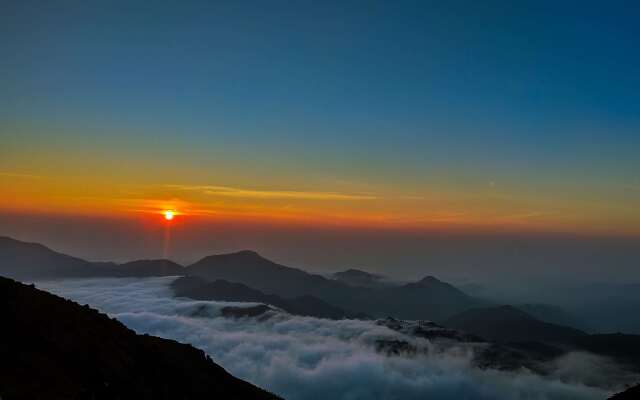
228 191
19 175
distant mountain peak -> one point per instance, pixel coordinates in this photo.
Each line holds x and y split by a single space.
357 277
510 308
430 279
243 255
24 260
248 253
432 282
357 273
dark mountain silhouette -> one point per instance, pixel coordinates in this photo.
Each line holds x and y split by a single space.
633 393
255 271
52 348
29 261
22 260
221 290
427 299
509 357
538 357
611 312
621 347
356 277
552 314
436 290
509 324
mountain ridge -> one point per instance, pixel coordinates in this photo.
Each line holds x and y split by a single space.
429 298
358 277
221 290
54 348
29 261
632 393
507 323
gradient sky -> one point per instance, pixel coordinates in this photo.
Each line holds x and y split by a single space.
403 116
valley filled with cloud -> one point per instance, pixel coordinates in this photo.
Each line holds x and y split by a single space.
310 358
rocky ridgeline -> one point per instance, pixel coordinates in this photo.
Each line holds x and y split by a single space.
52 348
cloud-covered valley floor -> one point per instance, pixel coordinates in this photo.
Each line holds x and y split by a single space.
310 358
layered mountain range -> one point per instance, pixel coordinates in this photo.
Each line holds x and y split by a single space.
356 277
428 298
222 290
304 293
512 337
30 261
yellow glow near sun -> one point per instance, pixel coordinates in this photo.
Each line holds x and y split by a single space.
168 215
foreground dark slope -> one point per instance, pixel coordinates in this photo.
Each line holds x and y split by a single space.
633 393
52 348
30 261
426 299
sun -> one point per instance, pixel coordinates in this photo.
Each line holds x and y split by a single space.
168 214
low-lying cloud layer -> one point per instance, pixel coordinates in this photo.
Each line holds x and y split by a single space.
310 358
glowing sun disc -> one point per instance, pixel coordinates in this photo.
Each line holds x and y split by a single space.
168 215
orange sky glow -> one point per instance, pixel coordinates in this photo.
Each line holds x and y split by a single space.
446 209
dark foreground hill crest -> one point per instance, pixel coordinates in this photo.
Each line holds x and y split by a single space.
52 348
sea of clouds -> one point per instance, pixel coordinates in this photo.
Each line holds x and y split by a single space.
310 358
